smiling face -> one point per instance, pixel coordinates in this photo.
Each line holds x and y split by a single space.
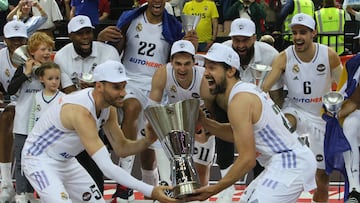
42 53
215 74
113 93
82 41
302 37
183 64
243 45
155 10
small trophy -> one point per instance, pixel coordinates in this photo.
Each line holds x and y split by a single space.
259 72
189 22
333 101
174 125
20 55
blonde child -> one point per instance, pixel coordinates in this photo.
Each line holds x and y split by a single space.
25 84
49 75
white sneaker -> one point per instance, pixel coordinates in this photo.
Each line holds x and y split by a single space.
120 200
7 194
21 198
226 195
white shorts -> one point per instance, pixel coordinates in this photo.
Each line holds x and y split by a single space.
60 181
311 126
143 97
204 153
277 184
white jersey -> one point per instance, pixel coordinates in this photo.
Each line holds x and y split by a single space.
23 104
40 104
51 137
271 137
7 69
175 92
146 50
307 82
72 65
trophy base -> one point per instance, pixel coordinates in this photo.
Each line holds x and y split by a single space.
183 190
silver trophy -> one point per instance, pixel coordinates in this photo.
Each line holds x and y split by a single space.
333 101
21 55
189 22
174 125
259 72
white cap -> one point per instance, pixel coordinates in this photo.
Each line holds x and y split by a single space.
79 22
15 28
222 53
183 46
242 27
110 71
303 19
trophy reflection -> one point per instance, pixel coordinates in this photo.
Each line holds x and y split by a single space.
189 22
174 125
333 101
259 72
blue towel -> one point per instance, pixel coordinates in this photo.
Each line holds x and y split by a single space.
335 143
172 28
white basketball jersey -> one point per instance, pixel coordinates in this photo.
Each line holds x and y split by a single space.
51 137
42 102
175 92
272 135
7 70
145 51
307 82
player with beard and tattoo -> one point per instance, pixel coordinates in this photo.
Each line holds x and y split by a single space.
80 56
250 51
260 131
308 70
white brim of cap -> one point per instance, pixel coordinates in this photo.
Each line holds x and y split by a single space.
231 34
357 37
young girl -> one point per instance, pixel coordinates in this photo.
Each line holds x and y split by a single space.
23 13
49 75
26 84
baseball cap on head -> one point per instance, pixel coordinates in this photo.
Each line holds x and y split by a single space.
110 71
183 46
15 28
78 22
303 19
242 27
222 53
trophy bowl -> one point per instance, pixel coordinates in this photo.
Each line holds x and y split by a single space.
189 22
20 55
174 125
87 77
333 101
259 72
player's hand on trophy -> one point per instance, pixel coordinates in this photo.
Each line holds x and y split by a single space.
158 193
202 194
150 134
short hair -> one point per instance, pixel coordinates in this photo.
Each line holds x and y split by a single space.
39 38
